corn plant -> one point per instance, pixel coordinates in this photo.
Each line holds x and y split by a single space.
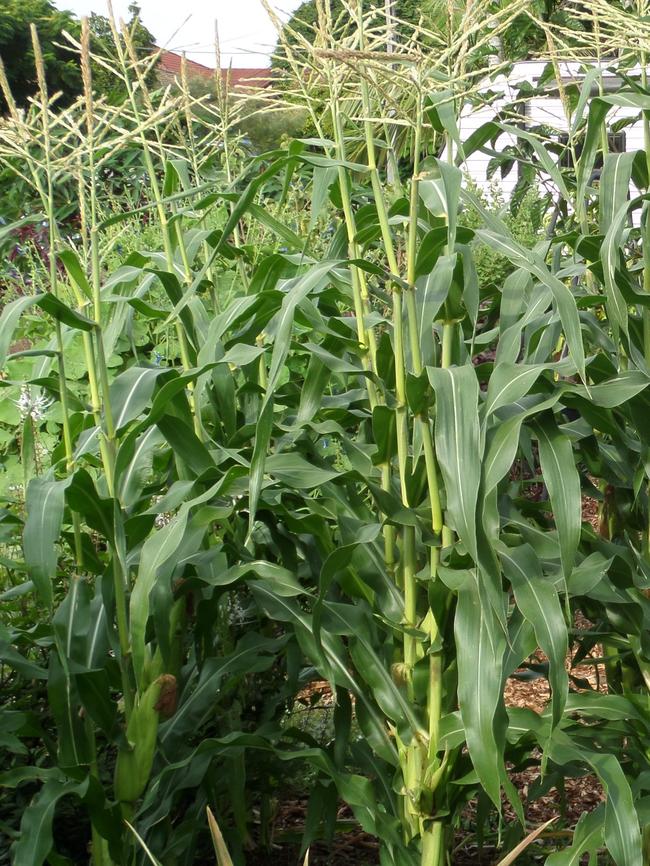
326 476
110 693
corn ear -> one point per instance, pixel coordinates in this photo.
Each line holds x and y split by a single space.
134 762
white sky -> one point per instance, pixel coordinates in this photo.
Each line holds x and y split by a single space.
246 34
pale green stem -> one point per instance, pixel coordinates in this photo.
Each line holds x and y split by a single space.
431 833
101 405
365 336
415 756
448 329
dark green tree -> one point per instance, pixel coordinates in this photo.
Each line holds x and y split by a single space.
522 40
305 19
61 64
104 82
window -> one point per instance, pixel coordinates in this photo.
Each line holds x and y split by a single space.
616 143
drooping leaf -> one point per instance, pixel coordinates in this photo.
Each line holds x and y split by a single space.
35 841
480 644
45 505
563 483
458 446
538 601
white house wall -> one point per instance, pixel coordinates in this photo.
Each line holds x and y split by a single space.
539 110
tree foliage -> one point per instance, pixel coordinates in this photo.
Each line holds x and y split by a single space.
304 21
142 40
523 40
62 67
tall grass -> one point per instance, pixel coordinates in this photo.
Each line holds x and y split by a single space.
329 474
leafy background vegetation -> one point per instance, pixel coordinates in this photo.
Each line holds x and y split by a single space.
317 426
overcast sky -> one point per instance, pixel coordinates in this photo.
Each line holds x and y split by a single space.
245 31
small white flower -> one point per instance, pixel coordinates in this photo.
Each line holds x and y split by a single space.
34 406
236 611
164 517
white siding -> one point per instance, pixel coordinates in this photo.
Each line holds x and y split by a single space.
545 110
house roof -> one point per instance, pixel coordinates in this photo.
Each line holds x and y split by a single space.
260 77
170 64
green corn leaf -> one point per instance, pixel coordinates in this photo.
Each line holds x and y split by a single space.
294 471
95 696
279 228
503 440
189 449
301 287
614 186
9 319
73 747
538 601
621 826
597 113
568 312
532 263
322 179
546 160
603 706
432 291
71 623
159 551
49 303
177 176
330 659
614 392
344 619
521 643
159 554
480 646
98 512
588 574
458 446
316 380
610 251
590 78
35 841
71 262
253 654
134 462
563 483
508 383
587 838
441 112
131 392
280 580
489 131
627 99
45 505
236 213
15 660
